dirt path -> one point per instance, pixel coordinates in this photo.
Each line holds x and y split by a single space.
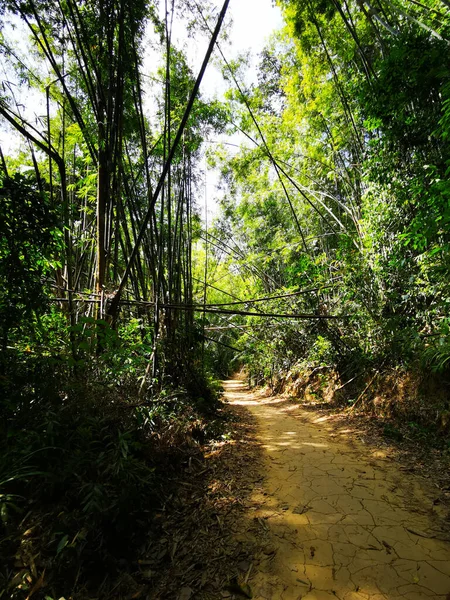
334 519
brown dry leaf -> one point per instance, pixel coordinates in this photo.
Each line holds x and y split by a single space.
418 532
37 586
18 578
185 593
269 549
148 574
300 509
28 532
33 567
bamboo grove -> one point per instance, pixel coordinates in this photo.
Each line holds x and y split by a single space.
122 188
338 197
336 202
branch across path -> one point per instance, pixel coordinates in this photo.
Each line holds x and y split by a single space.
334 519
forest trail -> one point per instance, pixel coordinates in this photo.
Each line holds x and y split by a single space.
336 519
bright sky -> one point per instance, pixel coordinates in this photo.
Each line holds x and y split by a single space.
253 22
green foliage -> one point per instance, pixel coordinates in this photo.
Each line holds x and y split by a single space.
124 354
322 352
85 467
404 102
29 241
354 203
84 457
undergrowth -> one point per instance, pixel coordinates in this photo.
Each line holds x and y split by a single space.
83 468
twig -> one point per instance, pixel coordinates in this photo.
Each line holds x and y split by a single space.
156 400
248 573
357 401
346 383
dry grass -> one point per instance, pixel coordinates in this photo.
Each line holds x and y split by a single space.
192 548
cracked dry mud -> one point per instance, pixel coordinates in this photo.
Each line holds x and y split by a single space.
335 519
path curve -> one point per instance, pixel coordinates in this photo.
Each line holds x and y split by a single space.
334 520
